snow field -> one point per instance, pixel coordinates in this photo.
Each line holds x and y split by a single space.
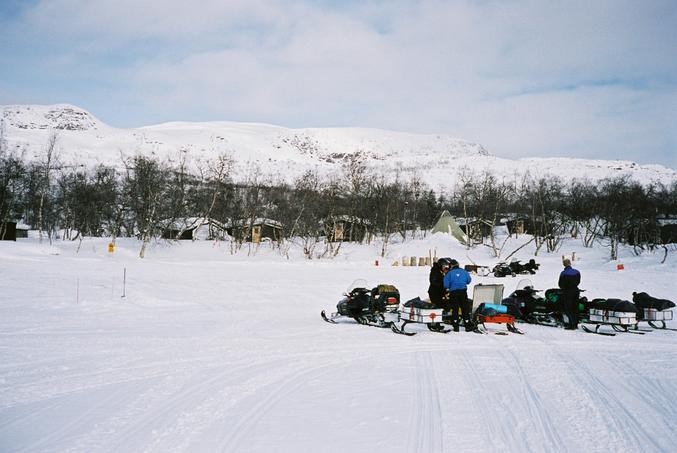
216 352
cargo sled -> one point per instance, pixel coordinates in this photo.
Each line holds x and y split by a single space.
620 315
654 311
487 309
418 311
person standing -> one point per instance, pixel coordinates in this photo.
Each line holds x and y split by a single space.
436 290
456 282
569 279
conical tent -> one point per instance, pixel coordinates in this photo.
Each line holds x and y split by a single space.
447 224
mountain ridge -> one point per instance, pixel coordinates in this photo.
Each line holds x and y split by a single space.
287 152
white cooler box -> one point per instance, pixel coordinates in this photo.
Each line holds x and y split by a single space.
651 314
412 314
622 318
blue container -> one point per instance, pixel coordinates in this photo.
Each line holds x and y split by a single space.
498 308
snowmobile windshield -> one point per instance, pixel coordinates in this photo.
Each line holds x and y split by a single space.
359 283
524 284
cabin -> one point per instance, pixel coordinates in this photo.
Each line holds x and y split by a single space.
193 228
668 229
345 228
477 227
11 231
22 231
522 224
8 231
256 230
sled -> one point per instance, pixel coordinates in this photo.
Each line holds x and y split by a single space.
490 296
432 317
620 321
656 318
508 320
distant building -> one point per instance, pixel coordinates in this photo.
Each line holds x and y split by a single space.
8 231
668 229
193 228
11 231
345 228
255 230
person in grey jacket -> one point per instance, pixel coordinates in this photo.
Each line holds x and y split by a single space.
456 282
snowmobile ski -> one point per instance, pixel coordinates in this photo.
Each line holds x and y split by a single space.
329 320
513 329
597 332
400 330
625 329
438 328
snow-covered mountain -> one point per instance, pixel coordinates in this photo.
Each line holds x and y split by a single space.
436 159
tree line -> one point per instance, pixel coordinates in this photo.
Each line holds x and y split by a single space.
139 199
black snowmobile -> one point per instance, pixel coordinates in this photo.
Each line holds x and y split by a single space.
526 305
374 307
513 268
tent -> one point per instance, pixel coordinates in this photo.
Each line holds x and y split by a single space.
447 224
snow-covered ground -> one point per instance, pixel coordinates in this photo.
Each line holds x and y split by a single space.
213 352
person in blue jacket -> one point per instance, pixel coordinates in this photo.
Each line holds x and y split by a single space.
456 282
569 279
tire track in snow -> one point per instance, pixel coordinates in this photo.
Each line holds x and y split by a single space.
535 408
425 424
499 430
157 407
650 389
611 404
274 393
56 436
606 401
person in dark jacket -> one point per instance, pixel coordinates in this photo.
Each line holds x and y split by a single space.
456 282
436 290
569 279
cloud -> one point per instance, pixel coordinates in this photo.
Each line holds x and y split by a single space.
521 77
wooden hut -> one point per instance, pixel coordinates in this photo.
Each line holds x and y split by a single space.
193 228
255 230
668 229
8 231
345 228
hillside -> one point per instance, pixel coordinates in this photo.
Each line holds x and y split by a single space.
284 152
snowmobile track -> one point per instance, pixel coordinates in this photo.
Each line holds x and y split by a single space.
425 425
502 437
536 409
241 430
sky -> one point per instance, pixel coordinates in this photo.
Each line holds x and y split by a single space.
589 79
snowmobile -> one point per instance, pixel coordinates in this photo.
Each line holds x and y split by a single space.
374 307
526 305
503 269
